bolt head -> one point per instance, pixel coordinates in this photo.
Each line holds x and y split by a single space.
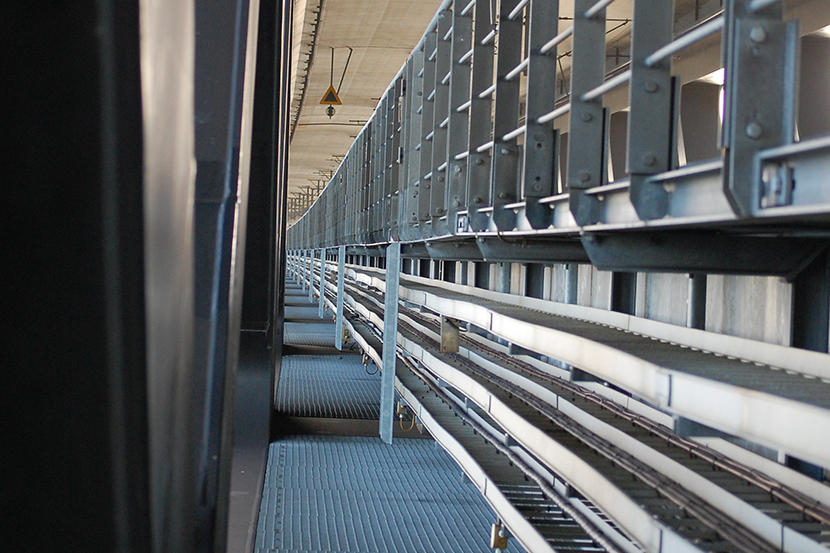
456 203
652 86
649 160
537 187
502 195
479 161
456 169
758 35
476 200
754 130
584 176
586 117
440 179
504 151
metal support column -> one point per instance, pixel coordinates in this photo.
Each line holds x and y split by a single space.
390 341
697 301
341 289
304 269
322 309
310 276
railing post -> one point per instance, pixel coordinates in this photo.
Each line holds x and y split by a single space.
390 341
505 159
310 275
478 174
540 152
341 290
321 312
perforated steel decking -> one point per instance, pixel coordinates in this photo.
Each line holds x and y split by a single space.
350 495
328 386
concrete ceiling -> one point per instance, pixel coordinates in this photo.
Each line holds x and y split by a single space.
381 34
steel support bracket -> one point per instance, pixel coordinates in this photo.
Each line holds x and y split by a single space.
761 55
651 141
586 136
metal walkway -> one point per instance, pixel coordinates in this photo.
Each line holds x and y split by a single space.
353 493
328 386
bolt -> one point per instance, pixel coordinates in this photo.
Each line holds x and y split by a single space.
537 187
440 179
587 116
479 161
538 137
754 130
649 160
456 169
652 86
584 176
476 200
504 151
502 195
456 203
426 186
758 35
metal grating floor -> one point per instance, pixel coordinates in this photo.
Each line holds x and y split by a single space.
306 312
309 334
328 386
350 495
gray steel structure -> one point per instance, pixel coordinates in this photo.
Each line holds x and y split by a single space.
657 169
463 147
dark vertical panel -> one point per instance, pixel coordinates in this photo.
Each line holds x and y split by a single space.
814 87
448 271
811 303
697 301
221 32
617 143
535 280
75 471
482 276
700 121
263 262
624 292
283 130
257 307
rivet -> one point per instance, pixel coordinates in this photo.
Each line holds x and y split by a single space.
758 35
456 169
538 137
649 160
456 203
426 186
584 176
652 86
586 116
440 179
504 151
479 161
537 187
476 200
754 130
